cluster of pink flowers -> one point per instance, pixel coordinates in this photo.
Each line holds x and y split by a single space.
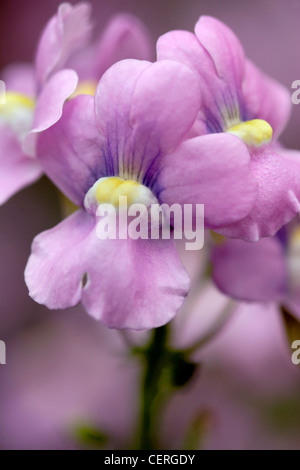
199 125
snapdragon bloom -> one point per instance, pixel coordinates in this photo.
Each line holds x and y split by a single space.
239 100
266 271
66 64
128 141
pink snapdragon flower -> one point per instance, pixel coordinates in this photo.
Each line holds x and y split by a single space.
35 95
239 100
128 141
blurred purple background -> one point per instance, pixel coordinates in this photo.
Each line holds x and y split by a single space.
270 33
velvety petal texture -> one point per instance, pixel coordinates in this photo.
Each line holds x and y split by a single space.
251 271
65 33
278 200
213 170
136 284
51 280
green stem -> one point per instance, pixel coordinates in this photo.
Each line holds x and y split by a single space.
154 359
164 370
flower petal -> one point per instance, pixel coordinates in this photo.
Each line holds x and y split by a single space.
113 101
278 200
213 170
65 33
251 271
217 56
136 284
224 48
266 99
165 104
146 115
49 105
17 170
141 285
71 150
55 268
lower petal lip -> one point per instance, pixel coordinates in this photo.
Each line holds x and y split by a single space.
137 284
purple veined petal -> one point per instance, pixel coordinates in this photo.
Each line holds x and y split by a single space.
49 106
137 284
266 99
221 98
228 57
70 152
20 78
17 170
277 172
113 100
184 47
224 48
213 170
145 116
66 32
251 271
125 37
165 104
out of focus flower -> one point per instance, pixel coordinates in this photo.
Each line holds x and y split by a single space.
246 395
35 97
268 270
240 101
143 113
36 94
